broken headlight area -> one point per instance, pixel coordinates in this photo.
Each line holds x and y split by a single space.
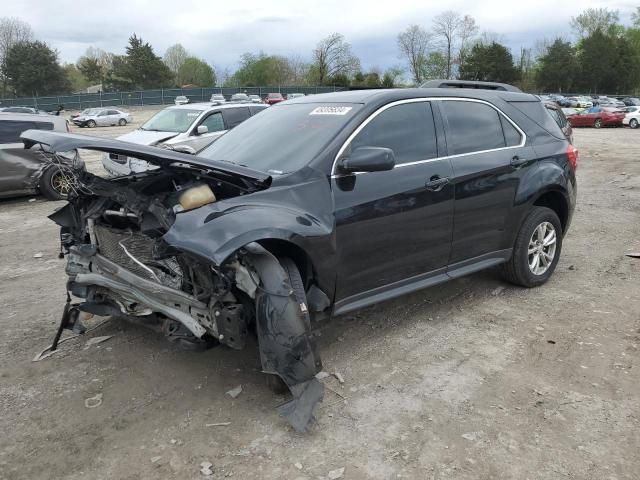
119 263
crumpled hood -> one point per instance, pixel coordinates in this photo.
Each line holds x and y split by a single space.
146 137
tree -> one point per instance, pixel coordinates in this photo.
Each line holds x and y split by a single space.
12 31
139 68
194 71
557 68
32 69
174 57
91 69
95 64
334 59
390 77
435 66
597 56
261 69
593 19
413 44
466 34
77 81
446 27
489 63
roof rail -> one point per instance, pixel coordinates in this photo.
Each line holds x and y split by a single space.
470 84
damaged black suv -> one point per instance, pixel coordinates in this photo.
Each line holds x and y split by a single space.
317 207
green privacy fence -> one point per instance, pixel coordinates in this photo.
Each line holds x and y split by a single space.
148 97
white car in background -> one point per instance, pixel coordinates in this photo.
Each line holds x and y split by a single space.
181 100
102 117
632 118
255 98
184 128
217 98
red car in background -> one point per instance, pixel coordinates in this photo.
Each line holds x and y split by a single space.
273 98
597 117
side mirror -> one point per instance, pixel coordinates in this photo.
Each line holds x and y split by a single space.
202 129
369 159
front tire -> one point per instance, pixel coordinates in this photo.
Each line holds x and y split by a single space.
275 382
537 249
597 123
122 122
91 124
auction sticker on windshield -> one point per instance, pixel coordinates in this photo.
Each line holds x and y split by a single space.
330 111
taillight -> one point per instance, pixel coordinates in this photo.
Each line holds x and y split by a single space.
572 156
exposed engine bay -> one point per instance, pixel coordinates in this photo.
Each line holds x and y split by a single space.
119 262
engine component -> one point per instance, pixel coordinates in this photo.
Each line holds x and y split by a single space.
195 197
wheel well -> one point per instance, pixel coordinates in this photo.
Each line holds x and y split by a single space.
556 202
282 248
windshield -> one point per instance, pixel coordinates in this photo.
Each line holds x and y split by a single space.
176 120
282 138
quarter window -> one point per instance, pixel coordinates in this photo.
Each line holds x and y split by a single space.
511 135
472 127
235 116
407 129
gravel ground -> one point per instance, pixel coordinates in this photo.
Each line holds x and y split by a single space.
475 379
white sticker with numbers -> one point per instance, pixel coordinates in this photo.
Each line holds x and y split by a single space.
330 111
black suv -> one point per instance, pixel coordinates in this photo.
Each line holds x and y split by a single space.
317 207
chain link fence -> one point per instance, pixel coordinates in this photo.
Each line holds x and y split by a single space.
149 97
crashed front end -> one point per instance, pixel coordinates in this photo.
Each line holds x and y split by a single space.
121 263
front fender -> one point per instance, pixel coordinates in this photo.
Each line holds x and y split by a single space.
215 236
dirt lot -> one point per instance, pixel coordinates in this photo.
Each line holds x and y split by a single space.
475 379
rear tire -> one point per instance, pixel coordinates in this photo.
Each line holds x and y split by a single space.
597 123
633 123
529 243
55 183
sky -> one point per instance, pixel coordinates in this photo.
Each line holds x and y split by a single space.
219 32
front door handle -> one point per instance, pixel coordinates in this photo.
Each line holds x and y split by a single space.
517 162
436 183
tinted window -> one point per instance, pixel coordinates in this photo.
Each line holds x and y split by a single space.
257 109
235 116
537 112
10 130
283 138
407 129
511 134
557 117
472 127
214 122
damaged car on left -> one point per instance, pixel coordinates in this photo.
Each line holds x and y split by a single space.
28 168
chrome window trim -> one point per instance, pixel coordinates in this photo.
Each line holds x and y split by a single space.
523 135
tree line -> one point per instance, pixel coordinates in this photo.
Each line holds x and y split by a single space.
603 55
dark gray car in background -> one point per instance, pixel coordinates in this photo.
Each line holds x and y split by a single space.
28 169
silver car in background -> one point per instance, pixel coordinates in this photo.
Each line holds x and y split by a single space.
217 98
102 117
185 128
181 100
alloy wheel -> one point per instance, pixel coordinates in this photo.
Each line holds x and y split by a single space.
61 183
542 248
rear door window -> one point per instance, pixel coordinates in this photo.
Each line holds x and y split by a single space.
235 116
472 127
10 130
407 129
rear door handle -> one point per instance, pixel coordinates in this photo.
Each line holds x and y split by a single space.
436 183
517 161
